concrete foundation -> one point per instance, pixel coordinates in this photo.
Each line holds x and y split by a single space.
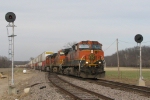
12 89
141 82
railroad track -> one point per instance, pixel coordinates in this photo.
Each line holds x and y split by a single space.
138 89
145 91
76 92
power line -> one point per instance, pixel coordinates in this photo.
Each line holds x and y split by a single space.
123 41
110 45
146 42
131 43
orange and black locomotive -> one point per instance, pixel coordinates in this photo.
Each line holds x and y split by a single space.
85 59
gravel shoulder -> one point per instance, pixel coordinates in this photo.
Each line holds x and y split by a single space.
33 79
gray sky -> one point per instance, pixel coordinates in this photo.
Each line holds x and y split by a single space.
48 25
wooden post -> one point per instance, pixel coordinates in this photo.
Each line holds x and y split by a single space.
118 60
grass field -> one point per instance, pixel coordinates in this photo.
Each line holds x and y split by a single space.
127 75
9 70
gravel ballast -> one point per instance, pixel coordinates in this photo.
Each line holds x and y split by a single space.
107 91
41 89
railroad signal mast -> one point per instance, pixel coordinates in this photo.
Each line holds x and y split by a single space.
139 38
10 17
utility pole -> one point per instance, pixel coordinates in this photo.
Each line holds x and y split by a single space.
118 60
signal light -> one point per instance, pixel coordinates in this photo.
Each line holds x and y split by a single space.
10 17
138 38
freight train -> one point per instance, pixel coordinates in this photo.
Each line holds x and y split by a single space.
39 62
84 59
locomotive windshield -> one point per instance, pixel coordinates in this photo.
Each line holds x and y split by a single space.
84 46
96 46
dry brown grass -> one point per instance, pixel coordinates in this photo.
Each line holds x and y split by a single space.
20 80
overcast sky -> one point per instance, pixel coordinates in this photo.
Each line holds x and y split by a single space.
48 25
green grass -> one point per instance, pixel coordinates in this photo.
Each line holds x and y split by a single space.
128 74
18 70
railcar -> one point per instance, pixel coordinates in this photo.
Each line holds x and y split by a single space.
50 62
39 62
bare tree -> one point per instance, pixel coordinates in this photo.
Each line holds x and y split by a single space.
31 58
130 57
69 44
4 62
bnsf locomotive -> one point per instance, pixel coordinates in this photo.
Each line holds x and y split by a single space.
85 59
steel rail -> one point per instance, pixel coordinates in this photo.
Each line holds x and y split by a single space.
78 93
140 89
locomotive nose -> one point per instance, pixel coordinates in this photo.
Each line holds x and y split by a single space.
91 57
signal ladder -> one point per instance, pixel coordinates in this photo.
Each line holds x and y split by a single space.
9 55
9 45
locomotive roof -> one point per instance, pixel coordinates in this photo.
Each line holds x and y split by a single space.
88 42
66 50
54 54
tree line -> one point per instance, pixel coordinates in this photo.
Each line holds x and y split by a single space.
127 58
130 57
6 63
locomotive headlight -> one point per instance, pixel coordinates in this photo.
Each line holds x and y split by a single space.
87 62
99 62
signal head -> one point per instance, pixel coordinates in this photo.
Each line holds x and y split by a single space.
138 38
10 17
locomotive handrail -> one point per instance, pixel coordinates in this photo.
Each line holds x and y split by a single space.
80 62
104 63
61 65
